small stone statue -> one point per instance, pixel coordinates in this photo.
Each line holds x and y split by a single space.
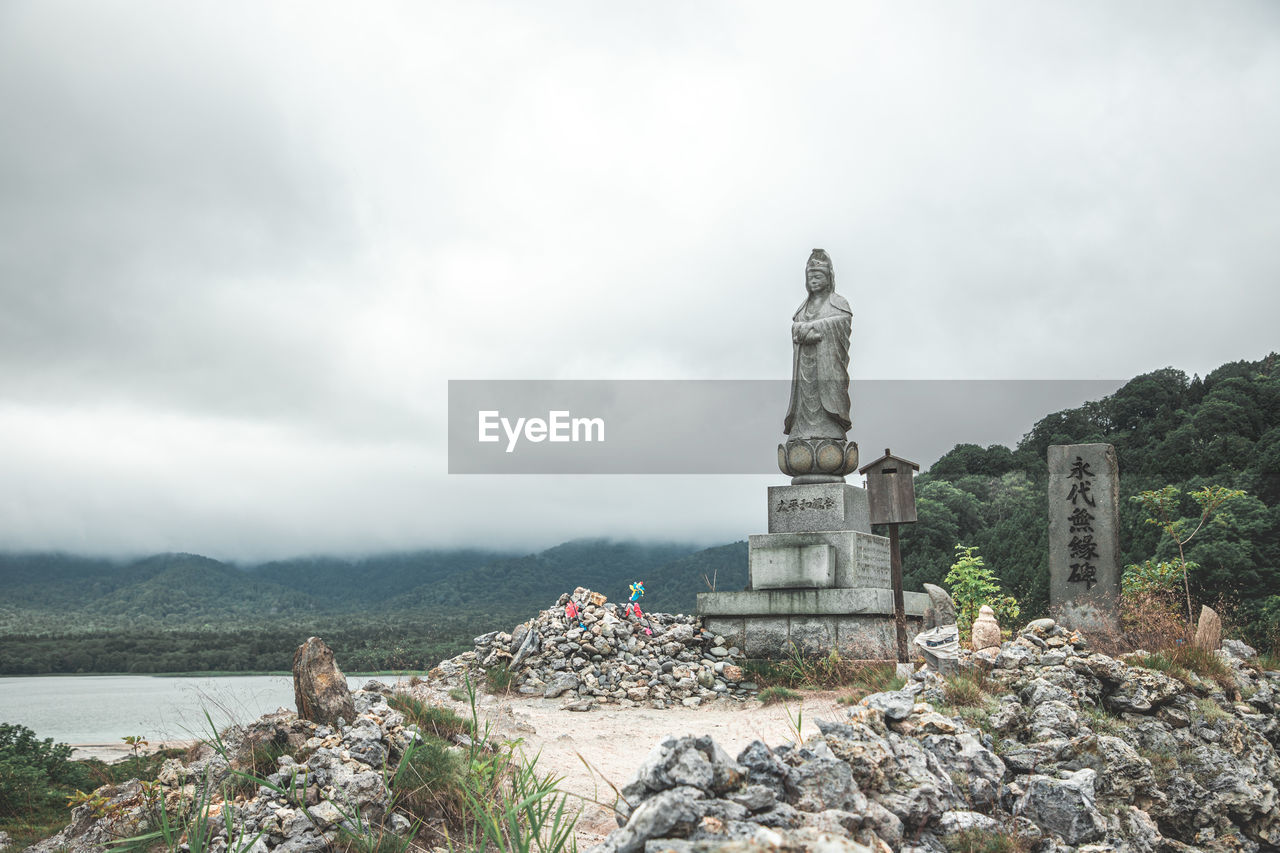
986 630
817 418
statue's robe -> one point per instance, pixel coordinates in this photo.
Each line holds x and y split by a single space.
820 374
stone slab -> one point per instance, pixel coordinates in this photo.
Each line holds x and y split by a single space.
808 602
857 636
798 566
818 506
861 559
1084 536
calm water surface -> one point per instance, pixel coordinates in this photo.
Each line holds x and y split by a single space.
104 708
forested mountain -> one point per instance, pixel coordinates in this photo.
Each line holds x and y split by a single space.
182 612
1167 429
63 613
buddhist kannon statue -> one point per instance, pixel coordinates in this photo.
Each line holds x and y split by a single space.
818 416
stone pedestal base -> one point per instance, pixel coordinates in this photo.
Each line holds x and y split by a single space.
819 560
820 506
858 623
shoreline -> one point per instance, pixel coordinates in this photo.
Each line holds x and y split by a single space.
113 752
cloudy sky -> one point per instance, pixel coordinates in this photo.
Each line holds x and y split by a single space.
244 247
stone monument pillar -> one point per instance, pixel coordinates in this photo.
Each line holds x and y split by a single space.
1084 536
819 579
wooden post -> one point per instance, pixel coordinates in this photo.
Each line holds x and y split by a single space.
899 608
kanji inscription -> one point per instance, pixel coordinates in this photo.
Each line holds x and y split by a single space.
1084 575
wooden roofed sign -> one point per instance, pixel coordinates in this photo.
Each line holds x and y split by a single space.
890 489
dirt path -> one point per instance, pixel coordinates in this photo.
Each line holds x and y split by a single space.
599 749
596 751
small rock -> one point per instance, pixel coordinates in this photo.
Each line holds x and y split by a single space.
1244 651
1039 627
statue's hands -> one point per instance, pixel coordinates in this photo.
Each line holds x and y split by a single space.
805 333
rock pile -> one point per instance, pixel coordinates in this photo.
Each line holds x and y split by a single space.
1080 752
335 775
1072 750
606 656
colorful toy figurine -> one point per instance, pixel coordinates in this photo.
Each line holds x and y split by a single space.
633 606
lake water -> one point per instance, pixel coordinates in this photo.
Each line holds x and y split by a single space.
101 709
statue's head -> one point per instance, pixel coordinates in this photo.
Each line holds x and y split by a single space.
818 275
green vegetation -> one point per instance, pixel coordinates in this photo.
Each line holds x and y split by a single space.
1163 507
972 585
1100 720
777 693
1179 661
36 778
965 689
981 841
1222 429
499 679
433 720
403 612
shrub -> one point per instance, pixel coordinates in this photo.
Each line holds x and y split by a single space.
429 781
973 585
1163 508
35 774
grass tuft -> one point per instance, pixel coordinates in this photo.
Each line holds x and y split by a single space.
981 841
965 689
776 693
830 671
430 719
1179 661
499 680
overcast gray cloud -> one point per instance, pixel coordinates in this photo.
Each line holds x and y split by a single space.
246 246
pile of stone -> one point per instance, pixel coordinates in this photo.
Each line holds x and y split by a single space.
1081 751
334 777
606 656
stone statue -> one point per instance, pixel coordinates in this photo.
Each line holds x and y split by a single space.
818 416
986 630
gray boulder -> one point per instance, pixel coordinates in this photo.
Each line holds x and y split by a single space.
320 689
895 705
1064 806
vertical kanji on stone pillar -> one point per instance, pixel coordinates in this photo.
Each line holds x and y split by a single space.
1084 536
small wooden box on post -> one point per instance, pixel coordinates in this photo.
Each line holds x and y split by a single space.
891 493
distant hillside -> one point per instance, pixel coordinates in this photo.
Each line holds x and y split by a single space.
67 594
183 612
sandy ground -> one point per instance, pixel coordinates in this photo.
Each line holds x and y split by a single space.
113 752
597 751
